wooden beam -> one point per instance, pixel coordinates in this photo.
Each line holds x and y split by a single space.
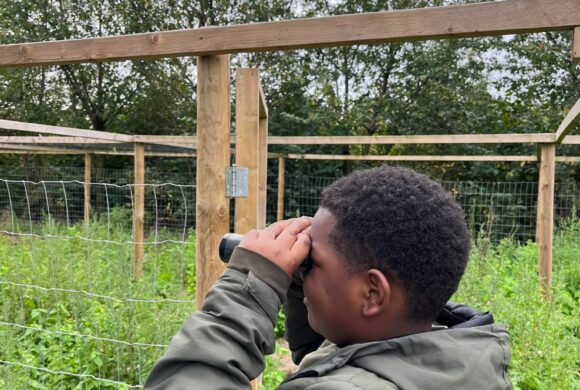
263 105
571 140
247 210
213 156
87 205
139 212
78 152
41 140
59 130
263 161
576 45
33 148
191 141
185 140
247 146
281 187
166 140
568 159
414 139
545 215
569 121
404 158
471 20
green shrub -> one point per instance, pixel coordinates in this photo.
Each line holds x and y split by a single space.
501 278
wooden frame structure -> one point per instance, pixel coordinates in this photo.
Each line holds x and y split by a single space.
212 44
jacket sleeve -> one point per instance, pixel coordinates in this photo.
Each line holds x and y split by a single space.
222 346
302 339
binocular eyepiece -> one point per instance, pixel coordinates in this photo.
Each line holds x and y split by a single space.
230 241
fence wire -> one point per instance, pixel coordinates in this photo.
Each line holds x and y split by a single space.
72 316
494 210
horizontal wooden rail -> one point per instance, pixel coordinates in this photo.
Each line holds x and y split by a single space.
57 140
572 140
59 130
415 158
31 149
415 139
470 20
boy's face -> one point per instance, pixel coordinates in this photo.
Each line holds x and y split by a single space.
331 293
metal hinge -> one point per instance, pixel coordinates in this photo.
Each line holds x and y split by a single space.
237 182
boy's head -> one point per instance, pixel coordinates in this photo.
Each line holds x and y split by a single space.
393 245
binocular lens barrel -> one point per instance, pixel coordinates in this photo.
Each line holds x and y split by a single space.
230 241
227 245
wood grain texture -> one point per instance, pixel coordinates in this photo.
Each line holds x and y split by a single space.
78 152
408 158
247 146
191 141
571 119
87 203
213 156
59 130
139 211
471 20
42 140
262 171
414 139
571 140
281 188
545 215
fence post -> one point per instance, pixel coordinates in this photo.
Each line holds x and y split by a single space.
87 208
138 215
251 152
545 215
262 160
247 147
281 187
213 156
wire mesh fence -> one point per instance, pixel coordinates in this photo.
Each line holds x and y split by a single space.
496 210
73 316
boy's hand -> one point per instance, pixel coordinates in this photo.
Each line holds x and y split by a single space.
285 243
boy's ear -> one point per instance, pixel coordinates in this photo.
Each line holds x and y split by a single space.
377 293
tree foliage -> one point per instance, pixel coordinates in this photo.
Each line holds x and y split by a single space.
522 83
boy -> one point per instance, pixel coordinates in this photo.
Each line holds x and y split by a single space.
388 248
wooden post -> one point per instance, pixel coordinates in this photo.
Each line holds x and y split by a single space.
262 172
213 157
263 159
545 219
251 140
138 215
281 186
247 147
87 208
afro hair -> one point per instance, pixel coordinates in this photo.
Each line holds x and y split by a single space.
405 225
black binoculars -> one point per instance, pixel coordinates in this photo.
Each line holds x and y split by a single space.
230 241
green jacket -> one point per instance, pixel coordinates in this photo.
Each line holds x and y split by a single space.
222 346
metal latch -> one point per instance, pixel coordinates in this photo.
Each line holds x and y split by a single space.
237 182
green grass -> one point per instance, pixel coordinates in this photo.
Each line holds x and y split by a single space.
104 270
544 336
501 278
